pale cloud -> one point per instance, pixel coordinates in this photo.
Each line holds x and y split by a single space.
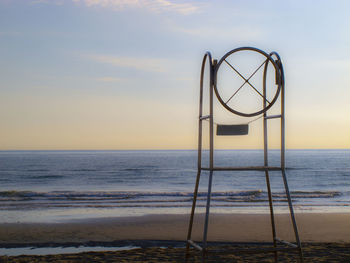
332 66
10 34
139 63
39 2
152 5
241 32
55 2
337 64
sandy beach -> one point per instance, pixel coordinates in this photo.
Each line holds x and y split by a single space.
223 227
326 237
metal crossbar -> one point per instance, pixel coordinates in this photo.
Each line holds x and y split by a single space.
243 168
193 244
285 242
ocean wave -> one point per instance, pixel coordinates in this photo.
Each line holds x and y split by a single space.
81 170
38 176
21 206
139 196
311 194
122 194
37 170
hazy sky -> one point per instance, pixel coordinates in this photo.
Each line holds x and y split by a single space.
123 74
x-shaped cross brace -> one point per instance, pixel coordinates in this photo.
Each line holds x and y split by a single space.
246 81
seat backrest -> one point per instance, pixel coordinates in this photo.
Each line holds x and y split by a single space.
226 130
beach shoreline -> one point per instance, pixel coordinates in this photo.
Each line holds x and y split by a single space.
313 252
161 238
313 227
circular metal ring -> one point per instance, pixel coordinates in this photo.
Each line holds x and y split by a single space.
278 80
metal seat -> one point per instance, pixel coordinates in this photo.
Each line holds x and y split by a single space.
236 129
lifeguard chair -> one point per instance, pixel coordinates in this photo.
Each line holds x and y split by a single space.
266 97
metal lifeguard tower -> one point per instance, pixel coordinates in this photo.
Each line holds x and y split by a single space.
270 63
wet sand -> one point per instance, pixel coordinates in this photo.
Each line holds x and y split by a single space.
222 227
325 237
313 252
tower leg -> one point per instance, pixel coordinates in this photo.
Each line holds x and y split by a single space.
272 216
206 222
267 176
291 211
195 193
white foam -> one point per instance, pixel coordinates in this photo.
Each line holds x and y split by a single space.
58 250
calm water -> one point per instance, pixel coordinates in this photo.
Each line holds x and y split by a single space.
54 186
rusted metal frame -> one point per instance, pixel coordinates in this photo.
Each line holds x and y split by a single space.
280 82
206 57
267 177
266 168
217 92
204 117
211 155
243 168
283 150
283 158
247 81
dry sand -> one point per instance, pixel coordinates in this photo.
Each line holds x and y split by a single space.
222 227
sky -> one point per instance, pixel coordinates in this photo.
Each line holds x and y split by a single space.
124 74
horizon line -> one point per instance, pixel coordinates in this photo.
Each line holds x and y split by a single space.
192 149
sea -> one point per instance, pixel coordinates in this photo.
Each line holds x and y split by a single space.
62 186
